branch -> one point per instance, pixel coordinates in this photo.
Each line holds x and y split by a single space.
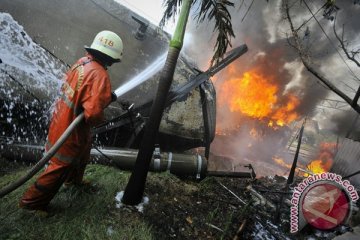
312 16
331 86
352 58
308 66
331 42
343 47
348 86
356 98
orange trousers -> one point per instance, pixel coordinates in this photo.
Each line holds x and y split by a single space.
39 195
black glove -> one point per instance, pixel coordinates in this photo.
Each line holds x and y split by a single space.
113 97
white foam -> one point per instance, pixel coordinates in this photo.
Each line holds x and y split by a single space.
139 207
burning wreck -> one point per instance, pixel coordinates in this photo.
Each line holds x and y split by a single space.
30 87
33 64
254 119
259 115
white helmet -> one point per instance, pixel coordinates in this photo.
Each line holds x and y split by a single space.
108 43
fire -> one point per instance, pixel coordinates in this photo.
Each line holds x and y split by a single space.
257 96
318 166
281 162
252 95
286 114
324 160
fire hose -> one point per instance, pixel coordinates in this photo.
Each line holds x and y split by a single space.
49 154
234 54
140 78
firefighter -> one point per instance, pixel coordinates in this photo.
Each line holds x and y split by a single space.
86 89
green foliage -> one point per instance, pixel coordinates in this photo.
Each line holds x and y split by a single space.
78 213
216 10
171 10
228 222
178 209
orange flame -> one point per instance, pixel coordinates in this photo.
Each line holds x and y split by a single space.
286 114
281 162
252 95
256 96
324 160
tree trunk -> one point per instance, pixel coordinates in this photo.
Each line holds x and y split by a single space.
136 185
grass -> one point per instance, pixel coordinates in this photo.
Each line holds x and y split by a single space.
79 213
178 209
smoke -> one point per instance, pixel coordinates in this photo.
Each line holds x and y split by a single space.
345 124
266 34
253 143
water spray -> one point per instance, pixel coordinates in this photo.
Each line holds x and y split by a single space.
150 71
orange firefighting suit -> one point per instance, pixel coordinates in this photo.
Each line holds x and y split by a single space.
87 88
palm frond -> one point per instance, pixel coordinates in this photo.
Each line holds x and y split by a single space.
218 10
170 11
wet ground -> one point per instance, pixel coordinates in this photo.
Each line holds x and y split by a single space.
213 208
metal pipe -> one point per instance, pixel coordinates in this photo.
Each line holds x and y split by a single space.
180 164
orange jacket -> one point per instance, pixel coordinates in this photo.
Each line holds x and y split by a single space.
86 88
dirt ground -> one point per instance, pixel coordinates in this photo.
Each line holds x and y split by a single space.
213 208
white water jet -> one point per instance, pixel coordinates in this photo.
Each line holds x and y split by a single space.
150 71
